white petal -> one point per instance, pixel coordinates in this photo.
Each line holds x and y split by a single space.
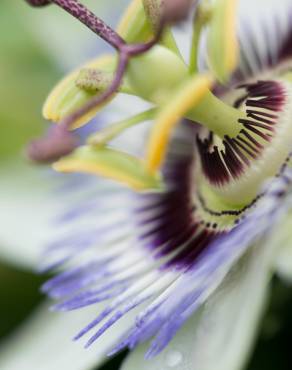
26 209
219 336
44 343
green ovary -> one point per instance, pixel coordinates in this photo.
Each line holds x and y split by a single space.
157 74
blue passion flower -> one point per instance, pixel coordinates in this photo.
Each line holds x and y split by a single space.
213 190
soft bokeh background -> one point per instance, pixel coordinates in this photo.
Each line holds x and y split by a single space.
37 47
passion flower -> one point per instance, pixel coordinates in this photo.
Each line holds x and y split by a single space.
215 181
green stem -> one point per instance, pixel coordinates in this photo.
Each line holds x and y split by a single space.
197 28
109 133
202 17
217 116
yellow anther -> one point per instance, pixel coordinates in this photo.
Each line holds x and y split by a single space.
111 164
190 94
222 39
231 47
66 97
134 26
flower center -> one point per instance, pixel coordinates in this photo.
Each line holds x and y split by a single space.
236 166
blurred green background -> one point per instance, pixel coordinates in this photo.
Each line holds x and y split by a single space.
31 61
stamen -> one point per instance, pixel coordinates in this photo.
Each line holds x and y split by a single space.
97 80
52 148
125 53
112 164
222 39
94 80
99 99
59 102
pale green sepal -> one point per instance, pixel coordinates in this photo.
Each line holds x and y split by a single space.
221 334
112 164
222 39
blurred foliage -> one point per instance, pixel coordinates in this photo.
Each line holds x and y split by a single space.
273 349
114 363
19 294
